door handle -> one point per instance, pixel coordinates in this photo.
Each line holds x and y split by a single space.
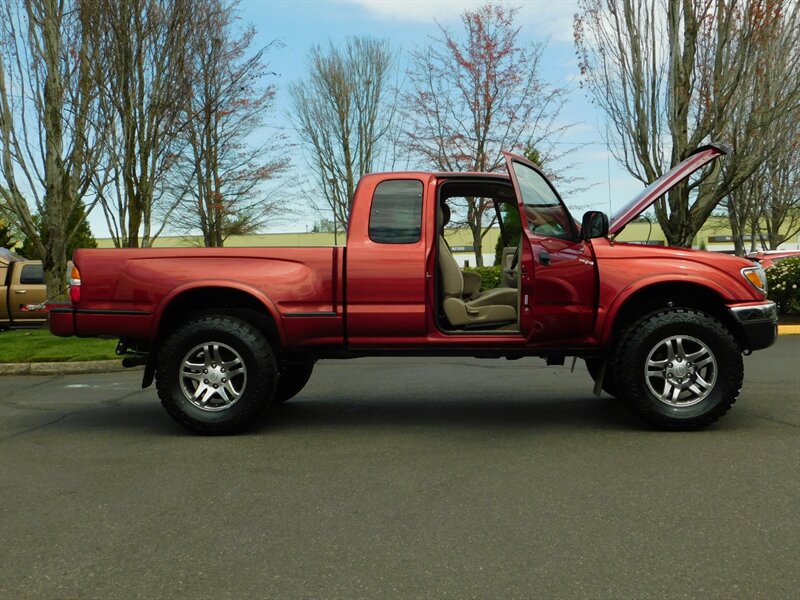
20 291
544 258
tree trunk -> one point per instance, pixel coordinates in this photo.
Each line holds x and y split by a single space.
55 271
737 232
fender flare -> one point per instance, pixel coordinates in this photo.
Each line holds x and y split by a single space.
604 326
262 298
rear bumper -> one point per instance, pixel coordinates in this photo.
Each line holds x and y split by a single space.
62 319
759 323
66 321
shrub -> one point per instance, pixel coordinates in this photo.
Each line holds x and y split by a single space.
784 285
490 276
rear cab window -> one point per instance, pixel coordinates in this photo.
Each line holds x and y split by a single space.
395 215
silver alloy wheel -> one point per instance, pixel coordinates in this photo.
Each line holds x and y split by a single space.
681 371
213 376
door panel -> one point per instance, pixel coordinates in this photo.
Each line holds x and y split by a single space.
560 276
27 287
564 289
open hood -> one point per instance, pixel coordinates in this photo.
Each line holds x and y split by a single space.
696 160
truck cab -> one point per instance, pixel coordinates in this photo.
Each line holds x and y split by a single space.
568 282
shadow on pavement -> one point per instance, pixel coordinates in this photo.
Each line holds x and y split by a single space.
584 413
307 415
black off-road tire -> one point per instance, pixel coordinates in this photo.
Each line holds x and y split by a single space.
701 336
292 378
238 342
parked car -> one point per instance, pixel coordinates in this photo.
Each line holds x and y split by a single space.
227 331
767 258
21 284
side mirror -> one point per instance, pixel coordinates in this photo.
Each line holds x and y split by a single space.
594 224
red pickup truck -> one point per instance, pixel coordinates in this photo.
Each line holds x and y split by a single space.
227 331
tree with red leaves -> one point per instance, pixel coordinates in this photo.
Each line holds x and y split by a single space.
478 93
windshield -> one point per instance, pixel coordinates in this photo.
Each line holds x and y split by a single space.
544 212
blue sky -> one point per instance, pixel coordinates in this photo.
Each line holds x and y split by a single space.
298 24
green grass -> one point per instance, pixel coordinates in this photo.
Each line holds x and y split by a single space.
39 345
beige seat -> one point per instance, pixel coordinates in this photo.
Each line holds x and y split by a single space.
462 303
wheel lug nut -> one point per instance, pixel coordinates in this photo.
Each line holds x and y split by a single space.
670 365
214 365
669 375
223 370
205 380
215 386
205 370
224 381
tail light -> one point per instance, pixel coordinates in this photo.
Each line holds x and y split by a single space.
75 285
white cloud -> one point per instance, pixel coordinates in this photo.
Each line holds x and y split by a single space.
545 18
423 11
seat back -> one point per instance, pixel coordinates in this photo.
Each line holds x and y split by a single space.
452 279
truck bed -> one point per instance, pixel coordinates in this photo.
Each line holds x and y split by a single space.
124 291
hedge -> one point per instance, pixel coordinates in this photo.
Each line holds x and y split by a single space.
490 276
784 285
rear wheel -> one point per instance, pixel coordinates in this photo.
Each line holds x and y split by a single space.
292 379
216 374
680 369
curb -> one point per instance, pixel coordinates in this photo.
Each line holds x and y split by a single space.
62 368
111 366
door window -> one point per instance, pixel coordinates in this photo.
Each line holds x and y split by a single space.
544 212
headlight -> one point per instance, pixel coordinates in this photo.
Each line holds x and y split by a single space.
757 277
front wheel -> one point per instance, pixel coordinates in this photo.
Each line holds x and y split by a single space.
216 374
680 369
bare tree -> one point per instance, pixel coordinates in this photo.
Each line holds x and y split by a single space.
49 135
672 75
781 190
474 96
743 207
343 112
766 208
144 50
220 174
770 200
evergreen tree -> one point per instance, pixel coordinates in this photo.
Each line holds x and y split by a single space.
83 237
7 236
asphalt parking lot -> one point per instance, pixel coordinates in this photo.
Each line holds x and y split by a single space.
406 478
